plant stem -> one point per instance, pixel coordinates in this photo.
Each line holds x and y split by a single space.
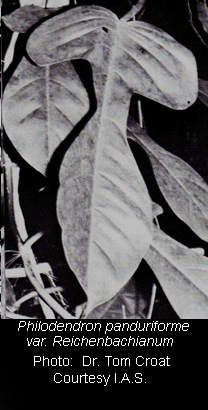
18 222
33 294
3 277
134 11
123 311
28 265
141 123
3 274
20 272
152 300
11 315
9 55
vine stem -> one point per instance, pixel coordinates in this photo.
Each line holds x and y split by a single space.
123 311
48 304
141 123
134 10
17 221
154 286
8 58
3 270
12 315
28 265
152 301
33 294
14 273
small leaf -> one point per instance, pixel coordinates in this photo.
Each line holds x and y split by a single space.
40 107
21 19
203 91
183 188
183 275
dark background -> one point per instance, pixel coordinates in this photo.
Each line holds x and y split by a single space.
22 384
184 133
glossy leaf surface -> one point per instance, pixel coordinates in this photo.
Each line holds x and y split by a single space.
183 188
183 275
41 105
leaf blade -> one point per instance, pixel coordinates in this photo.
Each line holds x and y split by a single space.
183 275
164 78
44 104
103 204
21 19
110 234
183 188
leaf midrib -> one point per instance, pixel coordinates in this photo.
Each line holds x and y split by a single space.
100 140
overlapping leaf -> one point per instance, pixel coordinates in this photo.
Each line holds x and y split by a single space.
156 65
104 211
182 273
21 19
129 303
41 105
103 205
183 188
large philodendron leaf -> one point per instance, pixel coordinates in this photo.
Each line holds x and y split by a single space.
103 204
183 188
148 59
183 275
41 105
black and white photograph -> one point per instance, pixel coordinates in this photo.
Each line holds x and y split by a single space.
104 154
